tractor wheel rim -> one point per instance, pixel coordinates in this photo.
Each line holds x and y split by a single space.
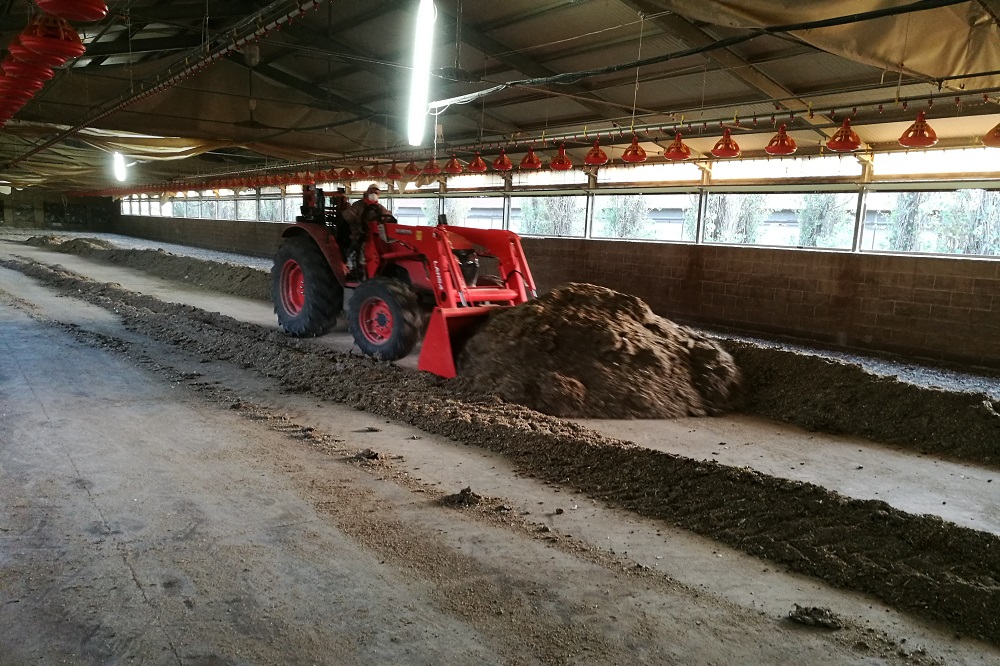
293 287
376 321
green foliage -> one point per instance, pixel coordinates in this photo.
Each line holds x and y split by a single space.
430 209
549 216
822 220
969 223
905 222
457 210
734 218
625 216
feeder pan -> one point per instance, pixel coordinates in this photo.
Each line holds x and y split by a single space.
531 161
634 153
919 134
393 173
51 36
376 172
83 11
347 174
502 162
453 166
361 173
726 148
412 169
845 140
19 52
478 165
20 96
432 168
781 144
560 162
678 151
26 70
595 156
30 86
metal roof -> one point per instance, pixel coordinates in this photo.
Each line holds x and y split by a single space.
331 84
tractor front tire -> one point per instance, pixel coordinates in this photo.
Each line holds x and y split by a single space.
384 317
307 297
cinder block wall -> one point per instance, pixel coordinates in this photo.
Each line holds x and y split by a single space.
258 239
938 308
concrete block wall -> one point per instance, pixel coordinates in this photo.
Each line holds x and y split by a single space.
940 308
258 239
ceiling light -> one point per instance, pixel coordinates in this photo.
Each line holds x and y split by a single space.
121 172
423 40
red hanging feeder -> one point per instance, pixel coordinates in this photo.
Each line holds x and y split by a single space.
678 151
502 162
25 70
919 134
845 140
361 173
531 160
29 86
634 153
560 162
726 148
19 52
432 168
412 169
84 11
781 144
595 156
377 173
347 174
453 166
992 138
478 165
393 173
51 36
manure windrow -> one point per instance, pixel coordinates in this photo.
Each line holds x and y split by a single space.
923 564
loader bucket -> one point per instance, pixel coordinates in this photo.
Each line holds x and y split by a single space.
447 332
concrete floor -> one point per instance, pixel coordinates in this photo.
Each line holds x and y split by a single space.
149 522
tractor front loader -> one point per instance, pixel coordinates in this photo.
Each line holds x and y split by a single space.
413 281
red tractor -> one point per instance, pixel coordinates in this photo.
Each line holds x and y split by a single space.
411 277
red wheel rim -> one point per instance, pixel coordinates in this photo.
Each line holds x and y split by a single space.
293 287
376 320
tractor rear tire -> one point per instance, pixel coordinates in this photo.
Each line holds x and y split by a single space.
307 297
384 317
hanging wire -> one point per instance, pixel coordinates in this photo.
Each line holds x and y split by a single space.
635 93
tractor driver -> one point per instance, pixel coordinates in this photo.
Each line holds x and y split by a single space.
361 212
367 208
